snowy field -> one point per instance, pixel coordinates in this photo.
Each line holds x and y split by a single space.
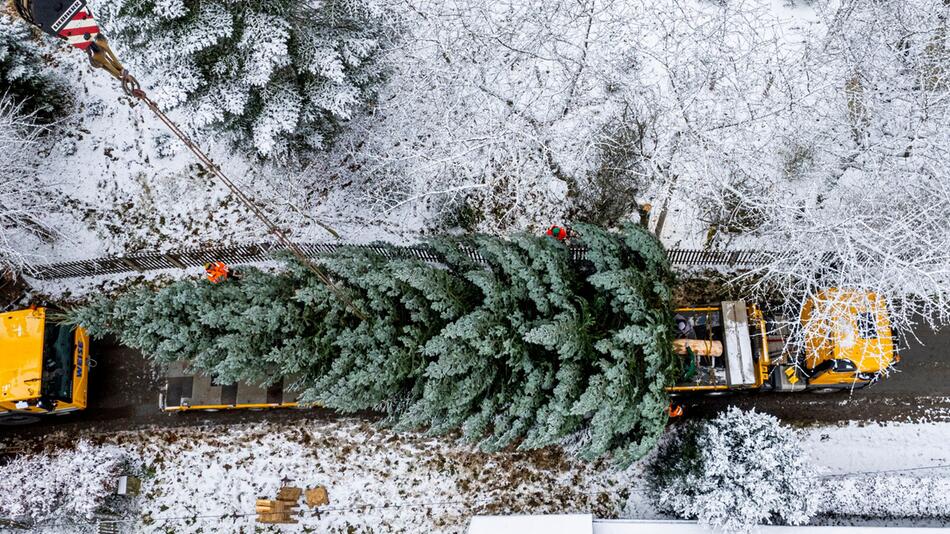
207 479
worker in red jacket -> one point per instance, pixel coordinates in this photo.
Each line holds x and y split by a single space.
558 232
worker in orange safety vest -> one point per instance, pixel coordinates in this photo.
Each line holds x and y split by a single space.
675 410
217 271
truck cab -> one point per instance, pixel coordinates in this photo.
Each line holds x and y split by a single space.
847 338
846 343
44 367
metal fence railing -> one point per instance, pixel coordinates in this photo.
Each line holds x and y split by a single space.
242 254
730 258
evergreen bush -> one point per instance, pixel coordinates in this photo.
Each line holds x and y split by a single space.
531 349
277 75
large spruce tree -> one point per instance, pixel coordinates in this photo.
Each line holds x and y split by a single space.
529 348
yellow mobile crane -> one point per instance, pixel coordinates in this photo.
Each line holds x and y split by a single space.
44 367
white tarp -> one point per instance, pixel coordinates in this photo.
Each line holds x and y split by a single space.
586 524
532 524
740 370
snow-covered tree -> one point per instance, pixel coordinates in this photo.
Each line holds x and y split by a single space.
835 158
61 486
25 75
511 111
738 470
279 75
25 200
529 349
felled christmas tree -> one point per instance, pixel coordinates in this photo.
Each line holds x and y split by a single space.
531 349
277 74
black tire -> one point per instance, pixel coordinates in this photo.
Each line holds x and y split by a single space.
18 419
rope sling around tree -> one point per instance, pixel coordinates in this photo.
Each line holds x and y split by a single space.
74 23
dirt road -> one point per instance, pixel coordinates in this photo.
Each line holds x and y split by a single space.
123 395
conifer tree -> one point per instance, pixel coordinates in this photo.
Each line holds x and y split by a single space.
277 75
25 77
528 349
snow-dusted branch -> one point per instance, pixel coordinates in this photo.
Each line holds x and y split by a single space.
844 176
25 201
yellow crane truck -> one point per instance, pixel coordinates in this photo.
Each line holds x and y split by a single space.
845 343
44 367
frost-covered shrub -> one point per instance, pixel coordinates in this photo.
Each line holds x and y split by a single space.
60 486
279 75
741 469
887 496
528 350
504 104
24 74
607 195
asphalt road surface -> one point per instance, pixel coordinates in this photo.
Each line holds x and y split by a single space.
123 395
917 389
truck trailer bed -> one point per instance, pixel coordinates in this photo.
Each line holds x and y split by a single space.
185 390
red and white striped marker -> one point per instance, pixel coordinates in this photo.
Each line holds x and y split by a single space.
81 29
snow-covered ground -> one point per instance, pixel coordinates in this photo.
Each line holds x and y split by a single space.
207 479
130 186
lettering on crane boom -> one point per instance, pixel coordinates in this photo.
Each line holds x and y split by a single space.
68 14
53 16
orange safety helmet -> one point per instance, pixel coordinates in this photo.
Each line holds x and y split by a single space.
675 410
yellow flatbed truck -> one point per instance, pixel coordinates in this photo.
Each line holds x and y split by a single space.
44 367
846 344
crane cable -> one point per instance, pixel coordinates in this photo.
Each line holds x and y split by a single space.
101 56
